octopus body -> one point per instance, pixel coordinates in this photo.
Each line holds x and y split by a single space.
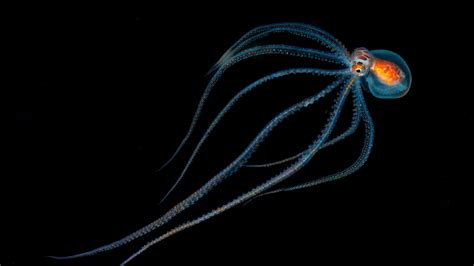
381 73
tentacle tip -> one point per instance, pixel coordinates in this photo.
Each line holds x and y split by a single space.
161 201
211 70
165 197
222 60
164 165
158 170
54 257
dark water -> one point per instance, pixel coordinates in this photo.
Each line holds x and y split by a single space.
100 101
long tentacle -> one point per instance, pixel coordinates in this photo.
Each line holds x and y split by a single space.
299 29
311 29
302 33
309 153
236 98
216 180
364 155
249 53
342 136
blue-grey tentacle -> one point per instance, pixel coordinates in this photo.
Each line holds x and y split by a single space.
218 178
309 153
342 136
364 155
249 53
315 30
299 29
279 74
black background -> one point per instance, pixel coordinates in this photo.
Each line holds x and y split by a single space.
101 100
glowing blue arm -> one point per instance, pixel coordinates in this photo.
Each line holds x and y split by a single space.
216 180
234 100
309 153
364 155
342 136
298 29
246 54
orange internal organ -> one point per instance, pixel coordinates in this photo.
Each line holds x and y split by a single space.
387 72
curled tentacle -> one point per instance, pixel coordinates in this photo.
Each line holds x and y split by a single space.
218 178
309 153
234 100
249 53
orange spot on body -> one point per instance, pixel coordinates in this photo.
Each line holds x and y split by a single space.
387 72
349 85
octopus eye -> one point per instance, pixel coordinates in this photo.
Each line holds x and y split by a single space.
358 70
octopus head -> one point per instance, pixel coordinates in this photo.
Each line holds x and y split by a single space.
361 61
385 74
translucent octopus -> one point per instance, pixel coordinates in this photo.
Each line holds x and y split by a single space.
381 73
